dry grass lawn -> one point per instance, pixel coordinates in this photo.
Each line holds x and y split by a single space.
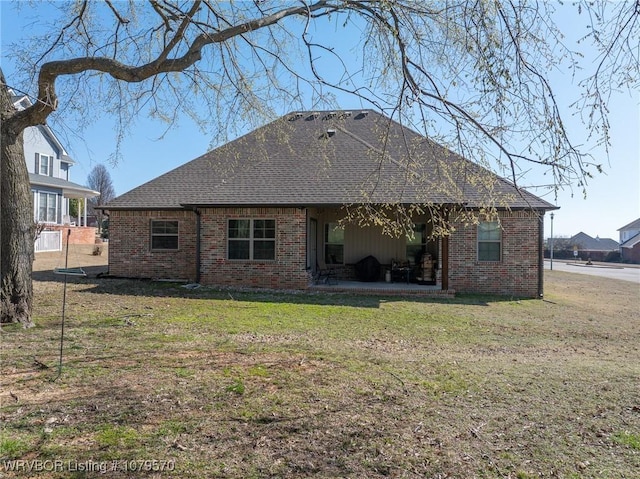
206 383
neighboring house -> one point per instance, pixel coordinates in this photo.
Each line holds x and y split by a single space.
595 249
48 164
265 209
630 242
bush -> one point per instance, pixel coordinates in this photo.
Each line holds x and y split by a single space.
105 229
612 257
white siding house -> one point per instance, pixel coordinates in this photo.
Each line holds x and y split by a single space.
629 231
48 165
630 242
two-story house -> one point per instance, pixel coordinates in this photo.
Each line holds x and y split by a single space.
630 242
48 165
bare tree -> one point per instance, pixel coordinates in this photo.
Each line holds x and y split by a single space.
99 180
472 74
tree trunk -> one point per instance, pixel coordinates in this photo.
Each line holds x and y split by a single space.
16 222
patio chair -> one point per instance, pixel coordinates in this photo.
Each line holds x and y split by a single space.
325 275
400 271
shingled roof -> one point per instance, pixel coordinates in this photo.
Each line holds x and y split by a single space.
635 224
69 188
587 243
328 158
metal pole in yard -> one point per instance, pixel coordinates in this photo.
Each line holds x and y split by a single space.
64 303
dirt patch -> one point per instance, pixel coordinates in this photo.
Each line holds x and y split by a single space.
79 256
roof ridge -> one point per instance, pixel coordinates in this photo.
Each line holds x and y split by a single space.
633 223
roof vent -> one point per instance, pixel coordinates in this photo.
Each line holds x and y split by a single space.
345 114
331 114
295 116
329 133
361 115
313 115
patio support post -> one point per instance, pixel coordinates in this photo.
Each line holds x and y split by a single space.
445 262
541 254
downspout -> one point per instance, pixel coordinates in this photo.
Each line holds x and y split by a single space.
198 259
541 255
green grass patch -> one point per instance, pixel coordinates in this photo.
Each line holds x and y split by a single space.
184 372
110 436
13 448
628 439
254 384
237 387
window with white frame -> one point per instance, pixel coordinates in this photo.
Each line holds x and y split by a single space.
164 235
46 165
251 239
416 246
489 241
333 243
47 207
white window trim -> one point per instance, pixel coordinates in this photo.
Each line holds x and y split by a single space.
49 169
252 239
498 241
38 195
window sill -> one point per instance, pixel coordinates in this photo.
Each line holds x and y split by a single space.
256 261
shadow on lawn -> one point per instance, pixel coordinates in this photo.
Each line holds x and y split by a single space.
146 287
92 272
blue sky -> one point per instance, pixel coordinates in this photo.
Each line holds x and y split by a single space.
613 198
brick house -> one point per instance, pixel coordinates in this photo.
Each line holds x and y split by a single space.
595 249
269 208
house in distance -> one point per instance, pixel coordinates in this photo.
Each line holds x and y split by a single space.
271 207
49 165
630 242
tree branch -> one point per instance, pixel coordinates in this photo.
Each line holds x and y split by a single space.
50 71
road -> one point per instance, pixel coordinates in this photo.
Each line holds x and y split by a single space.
611 270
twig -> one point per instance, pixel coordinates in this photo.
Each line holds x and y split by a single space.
40 364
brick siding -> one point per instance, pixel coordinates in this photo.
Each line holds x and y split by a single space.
515 274
287 271
631 255
130 254
79 234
